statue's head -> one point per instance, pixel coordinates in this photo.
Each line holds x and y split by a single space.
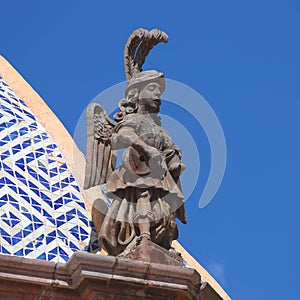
144 90
140 80
142 94
144 87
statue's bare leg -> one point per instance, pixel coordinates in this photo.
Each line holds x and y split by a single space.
144 216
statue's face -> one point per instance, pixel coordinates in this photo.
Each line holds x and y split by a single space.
149 98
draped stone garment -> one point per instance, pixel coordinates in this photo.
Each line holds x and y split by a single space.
124 187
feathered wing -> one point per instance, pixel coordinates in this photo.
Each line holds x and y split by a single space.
100 159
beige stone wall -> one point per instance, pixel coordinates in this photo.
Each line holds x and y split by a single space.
75 159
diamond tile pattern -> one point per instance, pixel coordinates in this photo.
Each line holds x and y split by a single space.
42 213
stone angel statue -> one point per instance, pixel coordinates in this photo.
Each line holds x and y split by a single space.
145 190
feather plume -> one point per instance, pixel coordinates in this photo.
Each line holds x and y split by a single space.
155 36
138 46
129 51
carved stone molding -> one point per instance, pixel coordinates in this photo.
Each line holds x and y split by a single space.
90 277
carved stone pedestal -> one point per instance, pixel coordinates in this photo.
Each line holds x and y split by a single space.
145 250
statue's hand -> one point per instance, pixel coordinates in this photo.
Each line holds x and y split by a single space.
156 163
152 152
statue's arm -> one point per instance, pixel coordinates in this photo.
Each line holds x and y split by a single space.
126 137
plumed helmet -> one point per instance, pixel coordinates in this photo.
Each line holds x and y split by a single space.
140 80
138 46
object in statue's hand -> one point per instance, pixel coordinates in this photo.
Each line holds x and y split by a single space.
157 166
138 164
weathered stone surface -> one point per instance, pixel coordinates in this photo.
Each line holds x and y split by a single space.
90 277
145 190
208 293
144 250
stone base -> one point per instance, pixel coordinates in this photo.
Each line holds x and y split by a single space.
145 250
96 277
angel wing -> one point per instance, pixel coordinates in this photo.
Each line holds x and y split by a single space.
100 159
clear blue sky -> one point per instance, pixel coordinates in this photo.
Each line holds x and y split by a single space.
243 57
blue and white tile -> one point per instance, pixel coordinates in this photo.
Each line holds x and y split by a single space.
42 211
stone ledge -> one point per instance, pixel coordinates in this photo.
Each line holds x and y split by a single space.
90 277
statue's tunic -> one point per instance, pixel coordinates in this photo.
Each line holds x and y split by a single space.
124 187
